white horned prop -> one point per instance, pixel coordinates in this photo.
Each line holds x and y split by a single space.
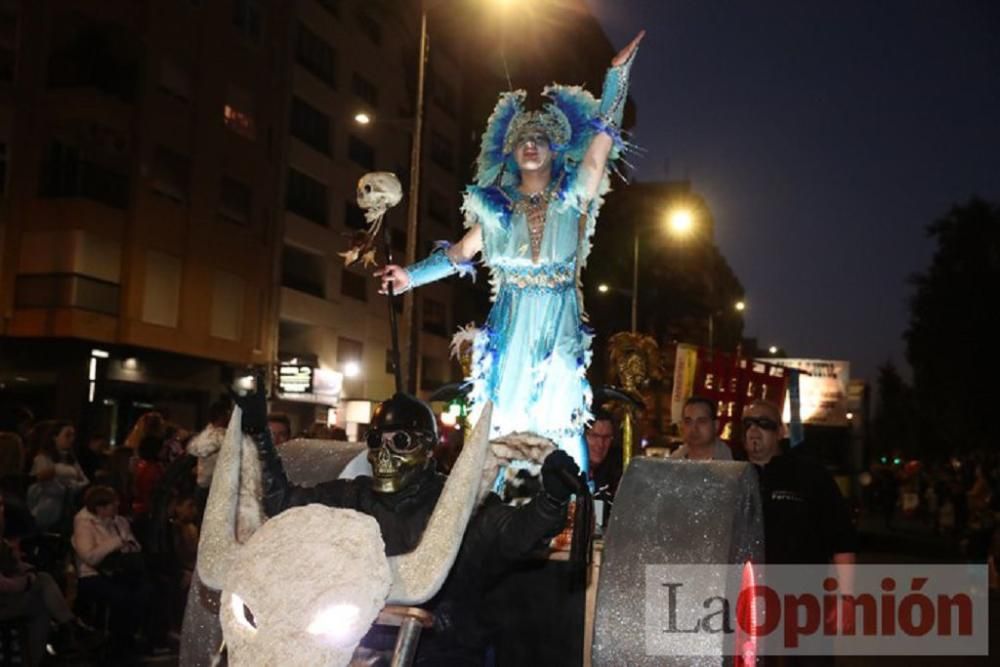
378 191
308 584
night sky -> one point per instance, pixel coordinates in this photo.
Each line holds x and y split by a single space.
825 136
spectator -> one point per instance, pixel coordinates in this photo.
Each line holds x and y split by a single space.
280 427
48 499
148 473
605 457
109 564
150 423
185 542
120 475
806 520
175 441
206 444
700 432
52 446
35 595
95 459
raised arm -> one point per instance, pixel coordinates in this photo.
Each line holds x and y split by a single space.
445 260
609 118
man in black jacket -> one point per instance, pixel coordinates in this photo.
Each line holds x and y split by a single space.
401 495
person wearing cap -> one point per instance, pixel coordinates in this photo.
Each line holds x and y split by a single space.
806 519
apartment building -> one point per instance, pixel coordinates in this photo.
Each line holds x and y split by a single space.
141 144
351 104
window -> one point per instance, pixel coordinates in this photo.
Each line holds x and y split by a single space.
349 349
443 94
306 196
238 112
247 17
66 172
361 153
235 201
161 292
435 317
439 207
442 152
227 306
433 373
369 26
303 271
175 81
310 125
314 54
364 89
66 290
354 217
353 285
105 57
171 174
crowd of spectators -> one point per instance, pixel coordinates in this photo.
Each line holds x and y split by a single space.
957 498
99 542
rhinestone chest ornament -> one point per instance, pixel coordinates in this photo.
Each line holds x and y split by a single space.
535 207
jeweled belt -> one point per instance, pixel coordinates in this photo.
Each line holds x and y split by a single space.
553 276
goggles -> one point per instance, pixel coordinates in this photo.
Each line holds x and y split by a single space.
400 442
765 423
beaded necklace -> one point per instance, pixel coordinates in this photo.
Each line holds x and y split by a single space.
535 207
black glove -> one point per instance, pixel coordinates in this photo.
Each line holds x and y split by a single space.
253 404
560 476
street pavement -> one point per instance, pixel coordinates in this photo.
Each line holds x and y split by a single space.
911 541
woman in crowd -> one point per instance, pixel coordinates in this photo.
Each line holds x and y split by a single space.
25 593
109 564
53 445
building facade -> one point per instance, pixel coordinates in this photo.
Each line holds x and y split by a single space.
141 145
351 106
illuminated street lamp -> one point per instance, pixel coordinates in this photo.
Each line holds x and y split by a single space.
362 118
681 221
773 349
603 289
740 306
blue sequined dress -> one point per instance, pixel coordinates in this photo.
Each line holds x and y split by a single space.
531 357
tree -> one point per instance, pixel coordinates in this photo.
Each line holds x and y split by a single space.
950 342
893 426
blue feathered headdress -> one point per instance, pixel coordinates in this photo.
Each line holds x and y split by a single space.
571 107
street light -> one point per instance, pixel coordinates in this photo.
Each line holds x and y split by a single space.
603 289
740 306
362 118
681 221
773 349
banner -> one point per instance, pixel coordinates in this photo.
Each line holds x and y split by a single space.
684 370
822 389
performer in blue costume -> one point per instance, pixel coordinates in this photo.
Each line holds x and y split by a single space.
540 181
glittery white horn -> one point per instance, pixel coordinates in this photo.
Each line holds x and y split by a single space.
218 546
418 575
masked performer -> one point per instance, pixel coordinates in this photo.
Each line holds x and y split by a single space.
401 495
531 213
